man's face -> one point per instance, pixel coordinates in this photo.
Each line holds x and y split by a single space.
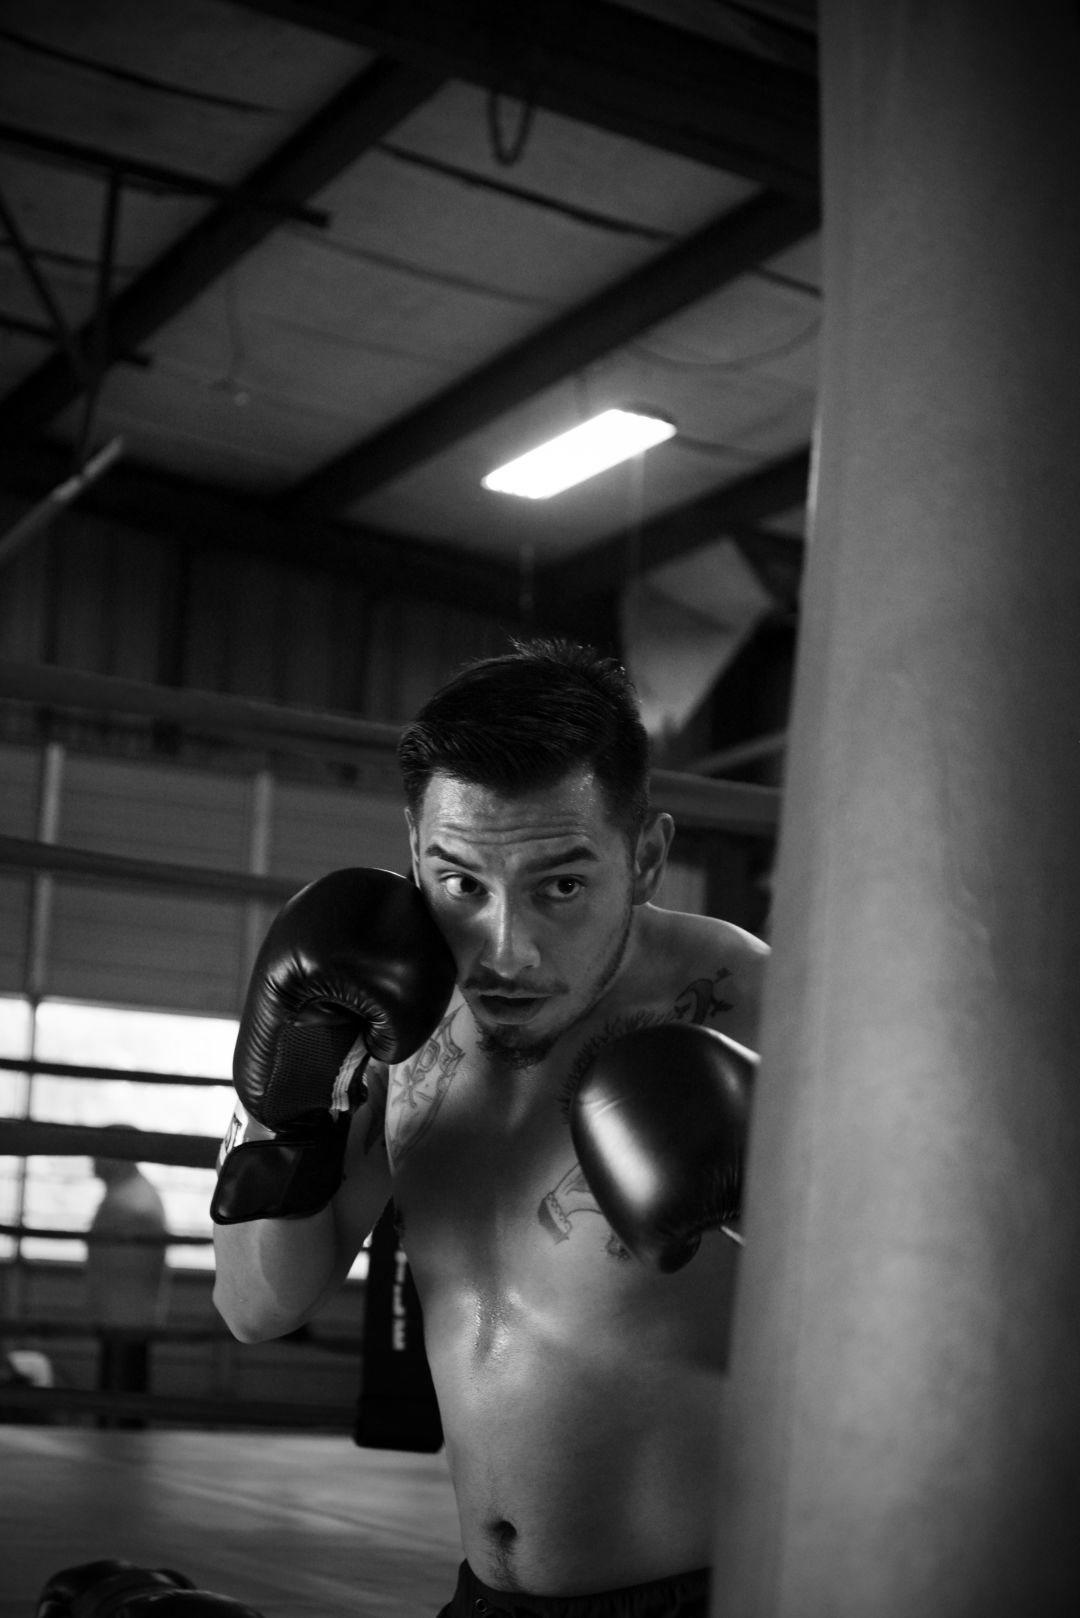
534 895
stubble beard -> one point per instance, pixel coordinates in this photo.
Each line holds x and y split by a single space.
517 1051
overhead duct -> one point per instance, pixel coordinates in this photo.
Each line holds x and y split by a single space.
682 624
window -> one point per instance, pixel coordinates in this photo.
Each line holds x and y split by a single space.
61 1193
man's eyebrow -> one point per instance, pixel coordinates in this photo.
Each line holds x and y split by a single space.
435 851
573 856
579 854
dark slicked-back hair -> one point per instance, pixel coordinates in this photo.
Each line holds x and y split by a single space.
523 721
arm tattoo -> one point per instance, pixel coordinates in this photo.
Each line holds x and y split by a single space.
420 1089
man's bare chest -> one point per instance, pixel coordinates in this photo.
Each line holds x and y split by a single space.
488 1167
495 1209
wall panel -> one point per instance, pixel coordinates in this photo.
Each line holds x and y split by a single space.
315 830
416 646
259 628
305 675
14 929
142 584
207 627
138 948
683 887
19 774
19 769
157 812
144 948
22 597
82 561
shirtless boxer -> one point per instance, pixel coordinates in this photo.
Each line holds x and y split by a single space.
579 1385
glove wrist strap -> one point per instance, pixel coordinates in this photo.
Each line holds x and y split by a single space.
343 1099
242 1128
290 1175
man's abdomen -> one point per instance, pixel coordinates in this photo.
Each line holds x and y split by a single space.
578 1465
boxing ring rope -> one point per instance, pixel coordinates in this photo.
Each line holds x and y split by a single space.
235 718
43 1404
119 870
92 1237
28 1137
78 1070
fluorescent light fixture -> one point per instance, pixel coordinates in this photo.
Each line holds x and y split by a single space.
592 447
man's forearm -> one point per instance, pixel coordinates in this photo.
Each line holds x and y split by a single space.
273 1273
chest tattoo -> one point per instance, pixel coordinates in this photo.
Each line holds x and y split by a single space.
571 1197
699 1001
420 1088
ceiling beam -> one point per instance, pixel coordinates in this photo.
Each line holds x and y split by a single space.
153 177
605 65
573 596
208 517
755 231
730 512
352 121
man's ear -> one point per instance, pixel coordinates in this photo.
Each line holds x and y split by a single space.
651 854
414 846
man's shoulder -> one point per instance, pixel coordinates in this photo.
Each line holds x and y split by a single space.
711 969
688 938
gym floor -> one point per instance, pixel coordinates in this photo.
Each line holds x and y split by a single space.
296 1526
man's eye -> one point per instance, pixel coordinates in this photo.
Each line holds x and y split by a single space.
460 887
563 887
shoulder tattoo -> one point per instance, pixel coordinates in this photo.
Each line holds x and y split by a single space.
419 1089
701 999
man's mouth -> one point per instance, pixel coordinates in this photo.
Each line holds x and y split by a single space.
509 1007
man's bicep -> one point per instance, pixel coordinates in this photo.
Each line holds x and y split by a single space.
365 1190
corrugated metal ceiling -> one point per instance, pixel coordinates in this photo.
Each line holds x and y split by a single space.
361 253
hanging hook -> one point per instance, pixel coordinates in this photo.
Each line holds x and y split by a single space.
508 152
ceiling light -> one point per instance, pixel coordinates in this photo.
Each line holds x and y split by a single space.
592 447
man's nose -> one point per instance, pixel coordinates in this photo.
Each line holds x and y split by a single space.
509 945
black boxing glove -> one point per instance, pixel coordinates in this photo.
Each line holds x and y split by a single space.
99 1588
353 967
659 1123
116 1589
182 1604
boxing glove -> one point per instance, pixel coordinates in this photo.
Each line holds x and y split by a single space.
115 1589
99 1588
659 1123
353 967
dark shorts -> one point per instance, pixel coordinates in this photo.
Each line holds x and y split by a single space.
686 1596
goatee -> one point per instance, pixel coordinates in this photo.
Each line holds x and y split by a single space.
514 1055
